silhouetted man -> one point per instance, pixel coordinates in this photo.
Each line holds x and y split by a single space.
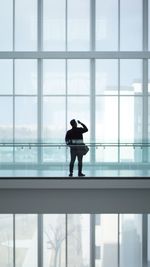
73 138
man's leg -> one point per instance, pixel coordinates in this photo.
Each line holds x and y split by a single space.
80 165
73 158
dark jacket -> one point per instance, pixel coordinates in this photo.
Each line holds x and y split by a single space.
75 135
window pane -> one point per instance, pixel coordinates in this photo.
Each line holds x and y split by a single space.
130 119
78 24
54 127
107 127
131 76
78 240
26 240
130 240
54 81
6 119
6 127
54 235
6 240
107 25
106 241
26 127
130 128
106 119
54 24
25 77
78 77
131 25
25 25
6 25
107 76
6 76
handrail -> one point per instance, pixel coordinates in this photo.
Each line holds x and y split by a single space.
59 145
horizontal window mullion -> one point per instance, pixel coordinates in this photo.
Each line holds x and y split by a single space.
74 55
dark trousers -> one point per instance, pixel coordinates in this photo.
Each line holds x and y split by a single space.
73 154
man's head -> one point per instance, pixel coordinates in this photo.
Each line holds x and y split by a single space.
73 123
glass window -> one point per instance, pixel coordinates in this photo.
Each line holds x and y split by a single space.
107 119
6 128
78 25
25 119
6 76
130 128
6 25
130 119
78 77
25 25
26 240
54 25
54 127
107 127
131 25
106 241
106 25
26 128
54 238
131 76
54 79
6 119
131 240
78 240
6 240
107 76
25 77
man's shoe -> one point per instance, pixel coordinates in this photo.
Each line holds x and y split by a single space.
70 174
81 174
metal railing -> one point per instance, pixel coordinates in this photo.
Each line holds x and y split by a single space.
59 145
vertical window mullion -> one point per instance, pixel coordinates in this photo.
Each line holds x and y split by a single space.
92 240
92 24
40 77
144 239
145 110
13 110
66 223
66 26
14 241
40 240
145 25
92 108
118 240
40 108
118 82
118 110
92 78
